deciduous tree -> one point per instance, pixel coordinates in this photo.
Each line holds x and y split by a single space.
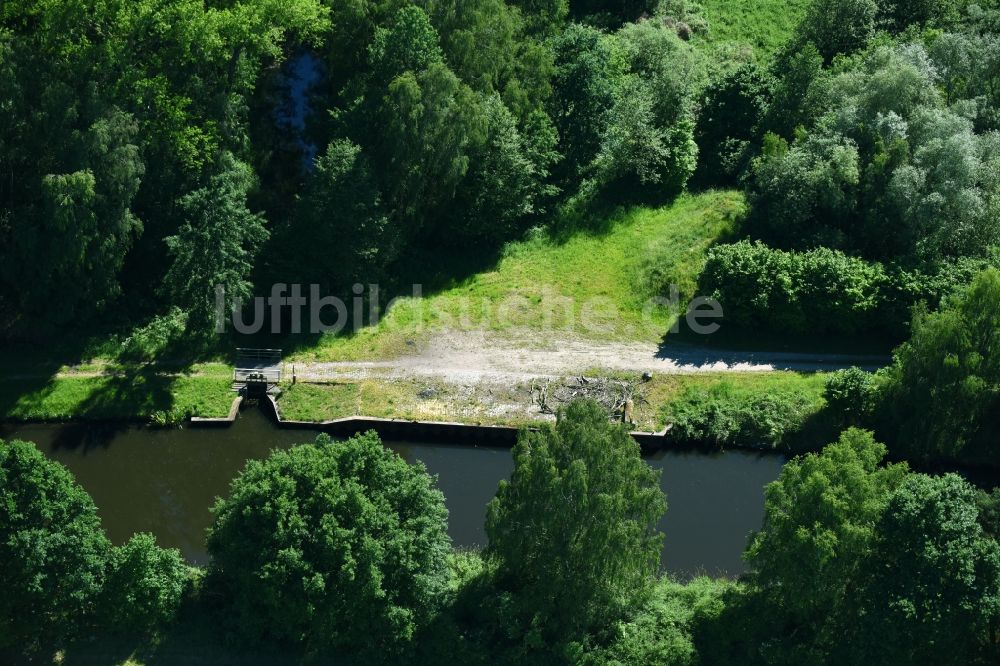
573 533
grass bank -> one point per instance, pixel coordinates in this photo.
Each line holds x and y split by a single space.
542 285
133 395
730 403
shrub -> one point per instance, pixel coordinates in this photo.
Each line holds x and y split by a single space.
660 632
852 395
144 585
818 292
340 545
725 415
823 291
52 549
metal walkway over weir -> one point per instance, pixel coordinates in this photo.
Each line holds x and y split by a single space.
257 369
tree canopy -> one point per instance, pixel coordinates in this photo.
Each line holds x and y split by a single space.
52 548
573 533
332 544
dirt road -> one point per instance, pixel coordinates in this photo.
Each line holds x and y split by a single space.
478 356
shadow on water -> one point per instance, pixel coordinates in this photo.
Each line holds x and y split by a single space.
86 437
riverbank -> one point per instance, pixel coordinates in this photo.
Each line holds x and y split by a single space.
106 392
112 393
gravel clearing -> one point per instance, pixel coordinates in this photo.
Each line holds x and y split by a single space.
474 357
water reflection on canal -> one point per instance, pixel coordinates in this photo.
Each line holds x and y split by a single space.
164 481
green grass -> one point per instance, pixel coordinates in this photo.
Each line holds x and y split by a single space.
140 396
319 402
614 273
764 25
409 399
513 405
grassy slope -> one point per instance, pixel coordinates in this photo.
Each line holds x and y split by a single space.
642 251
765 25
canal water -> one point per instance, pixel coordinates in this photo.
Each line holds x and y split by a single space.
165 480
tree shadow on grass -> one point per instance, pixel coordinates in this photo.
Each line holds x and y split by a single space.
27 370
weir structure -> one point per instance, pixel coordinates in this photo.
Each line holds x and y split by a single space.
257 370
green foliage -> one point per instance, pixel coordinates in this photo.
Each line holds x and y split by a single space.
725 415
942 395
823 291
545 17
143 586
340 234
337 544
988 504
149 342
648 139
839 26
52 548
881 167
900 14
506 184
112 110
818 292
852 395
410 44
586 75
733 109
573 533
430 123
929 590
819 524
216 245
660 632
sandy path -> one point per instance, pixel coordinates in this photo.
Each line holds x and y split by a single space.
477 356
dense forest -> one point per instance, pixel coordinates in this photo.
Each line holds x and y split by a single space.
151 150
148 154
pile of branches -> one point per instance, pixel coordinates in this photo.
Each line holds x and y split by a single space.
618 396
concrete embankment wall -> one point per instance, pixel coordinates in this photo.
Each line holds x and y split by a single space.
398 429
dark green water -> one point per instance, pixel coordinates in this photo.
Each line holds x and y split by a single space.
164 481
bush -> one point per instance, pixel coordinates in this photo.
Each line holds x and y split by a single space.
727 416
823 291
339 545
660 632
818 292
144 585
52 549
852 395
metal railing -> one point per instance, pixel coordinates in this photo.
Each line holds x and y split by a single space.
270 356
256 376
